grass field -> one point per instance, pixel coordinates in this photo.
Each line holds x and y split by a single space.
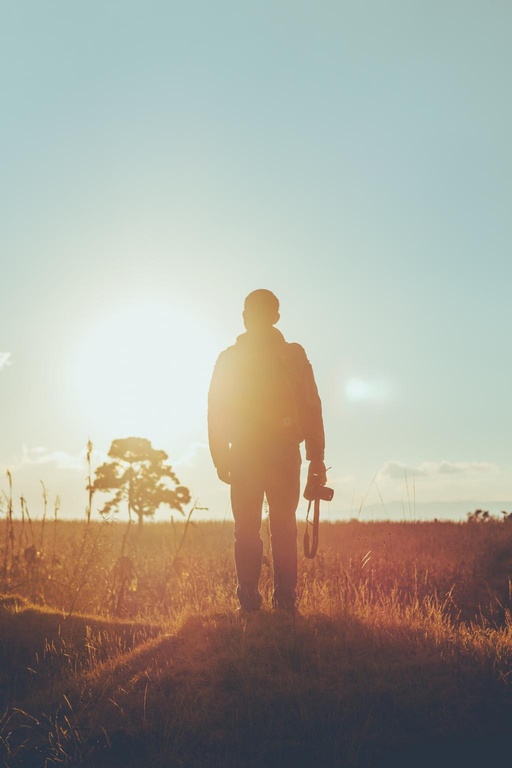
122 648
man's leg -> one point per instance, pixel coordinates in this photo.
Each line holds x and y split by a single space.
283 490
246 503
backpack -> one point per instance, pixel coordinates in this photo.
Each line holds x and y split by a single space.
264 395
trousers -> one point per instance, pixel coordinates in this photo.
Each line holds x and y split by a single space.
274 473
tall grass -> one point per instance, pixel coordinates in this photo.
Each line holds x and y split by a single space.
169 567
404 637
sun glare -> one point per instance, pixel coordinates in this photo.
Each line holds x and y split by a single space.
359 390
145 371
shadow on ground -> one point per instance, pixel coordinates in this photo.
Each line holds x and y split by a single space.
268 691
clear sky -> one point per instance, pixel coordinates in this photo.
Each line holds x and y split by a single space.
160 160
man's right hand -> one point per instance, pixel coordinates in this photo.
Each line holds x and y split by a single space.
224 475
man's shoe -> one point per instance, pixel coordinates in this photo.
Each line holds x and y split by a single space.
284 606
249 601
284 600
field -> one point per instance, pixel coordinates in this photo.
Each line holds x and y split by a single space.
121 647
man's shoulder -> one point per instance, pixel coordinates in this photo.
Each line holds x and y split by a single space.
226 355
242 348
296 348
229 358
295 352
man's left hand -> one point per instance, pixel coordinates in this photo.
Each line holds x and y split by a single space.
317 467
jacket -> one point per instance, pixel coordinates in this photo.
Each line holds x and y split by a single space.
263 392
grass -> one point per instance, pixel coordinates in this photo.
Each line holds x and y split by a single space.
401 653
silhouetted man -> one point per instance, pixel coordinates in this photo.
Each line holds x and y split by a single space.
263 402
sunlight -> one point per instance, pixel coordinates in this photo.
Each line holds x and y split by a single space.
357 390
145 371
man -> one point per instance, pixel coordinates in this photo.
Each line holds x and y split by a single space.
263 402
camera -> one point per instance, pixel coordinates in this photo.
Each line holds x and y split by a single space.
314 490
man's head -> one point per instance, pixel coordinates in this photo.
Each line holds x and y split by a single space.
261 309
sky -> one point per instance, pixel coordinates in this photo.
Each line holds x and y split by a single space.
160 160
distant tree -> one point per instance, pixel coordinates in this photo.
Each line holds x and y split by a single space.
139 475
479 516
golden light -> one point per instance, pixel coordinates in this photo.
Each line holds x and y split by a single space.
144 371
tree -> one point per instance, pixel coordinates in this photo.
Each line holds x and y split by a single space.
139 475
479 516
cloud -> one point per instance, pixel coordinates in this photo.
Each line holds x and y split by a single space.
59 459
41 455
395 470
197 453
5 360
447 468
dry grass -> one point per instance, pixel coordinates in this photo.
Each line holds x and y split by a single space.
403 645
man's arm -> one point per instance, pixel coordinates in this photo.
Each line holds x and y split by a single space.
313 425
218 419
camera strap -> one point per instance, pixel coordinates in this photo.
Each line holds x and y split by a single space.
311 552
